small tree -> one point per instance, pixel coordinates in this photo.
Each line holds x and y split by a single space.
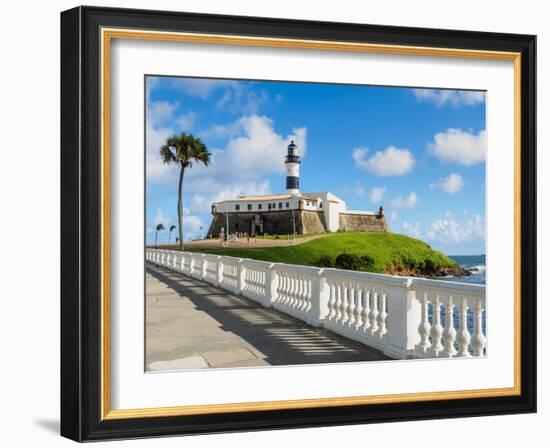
172 228
158 228
182 150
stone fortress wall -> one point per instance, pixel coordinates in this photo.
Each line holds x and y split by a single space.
283 222
365 223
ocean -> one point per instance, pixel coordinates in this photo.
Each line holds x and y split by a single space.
474 263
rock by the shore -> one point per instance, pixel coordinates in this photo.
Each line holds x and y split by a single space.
439 272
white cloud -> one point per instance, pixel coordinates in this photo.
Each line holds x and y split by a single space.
356 190
391 161
186 121
458 146
254 150
450 231
240 98
377 194
197 87
161 218
201 203
453 183
191 224
394 215
453 98
414 230
161 123
409 202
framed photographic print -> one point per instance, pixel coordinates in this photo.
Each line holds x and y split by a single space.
274 223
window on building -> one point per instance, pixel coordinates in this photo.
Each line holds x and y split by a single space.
269 206
287 205
320 205
259 206
280 205
307 203
237 207
249 206
236 226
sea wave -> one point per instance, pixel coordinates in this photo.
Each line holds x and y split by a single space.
477 268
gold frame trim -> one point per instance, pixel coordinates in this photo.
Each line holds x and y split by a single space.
107 35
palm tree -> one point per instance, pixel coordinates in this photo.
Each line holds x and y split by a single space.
183 150
172 228
159 227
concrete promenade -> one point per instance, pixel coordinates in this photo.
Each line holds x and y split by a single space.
191 324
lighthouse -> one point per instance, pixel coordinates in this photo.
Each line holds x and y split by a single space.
292 163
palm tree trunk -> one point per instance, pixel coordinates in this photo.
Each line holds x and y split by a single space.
180 207
156 233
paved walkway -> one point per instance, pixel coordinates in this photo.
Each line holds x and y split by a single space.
191 324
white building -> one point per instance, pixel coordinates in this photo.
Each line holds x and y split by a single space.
292 211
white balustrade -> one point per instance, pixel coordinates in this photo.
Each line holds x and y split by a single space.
230 270
254 280
451 322
295 291
403 317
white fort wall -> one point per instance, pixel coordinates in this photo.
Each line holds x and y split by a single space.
403 317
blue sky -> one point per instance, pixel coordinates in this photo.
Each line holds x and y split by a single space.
420 153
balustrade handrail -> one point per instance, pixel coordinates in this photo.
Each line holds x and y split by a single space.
401 316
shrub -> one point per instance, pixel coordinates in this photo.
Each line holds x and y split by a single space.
350 262
325 262
367 261
277 237
431 265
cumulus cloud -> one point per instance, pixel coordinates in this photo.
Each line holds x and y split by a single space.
453 98
162 121
201 203
161 218
377 194
414 230
197 87
458 146
408 202
240 98
453 183
448 231
254 150
451 231
391 161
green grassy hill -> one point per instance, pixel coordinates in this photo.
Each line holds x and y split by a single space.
385 252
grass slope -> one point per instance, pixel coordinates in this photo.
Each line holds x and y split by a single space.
390 251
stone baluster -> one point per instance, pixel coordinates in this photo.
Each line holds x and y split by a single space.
219 271
291 290
449 334
338 304
331 301
463 335
350 311
478 338
301 292
366 308
373 315
424 326
382 316
284 286
344 304
358 306
436 331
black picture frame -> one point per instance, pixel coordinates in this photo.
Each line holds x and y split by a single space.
81 209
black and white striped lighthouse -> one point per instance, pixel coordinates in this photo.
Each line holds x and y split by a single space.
292 162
